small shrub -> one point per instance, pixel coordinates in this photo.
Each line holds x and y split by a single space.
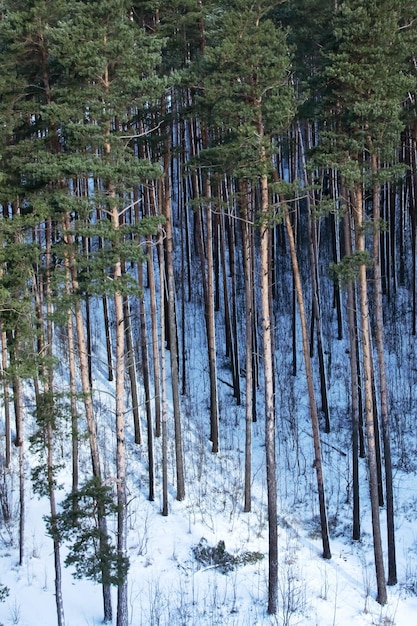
218 557
4 592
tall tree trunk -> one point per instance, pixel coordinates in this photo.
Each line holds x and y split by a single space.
379 335
72 385
13 342
369 417
86 245
247 263
310 387
267 330
270 452
108 338
211 327
353 360
6 398
120 403
172 324
233 321
131 369
147 388
164 442
313 226
70 264
50 420
154 321
122 610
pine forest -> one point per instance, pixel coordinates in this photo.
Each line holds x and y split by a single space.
208 312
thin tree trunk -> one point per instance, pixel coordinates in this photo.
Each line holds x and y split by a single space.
13 343
172 324
108 338
122 610
310 386
131 369
70 264
353 359
154 322
147 390
6 398
85 244
247 262
316 309
233 321
49 391
57 558
211 329
72 386
164 442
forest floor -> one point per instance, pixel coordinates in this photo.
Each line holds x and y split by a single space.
167 584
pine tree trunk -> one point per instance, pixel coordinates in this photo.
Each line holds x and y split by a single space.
172 325
50 420
335 221
19 439
269 410
316 309
70 265
147 388
131 369
154 323
379 334
247 263
369 417
164 435
73 388
6 399
311 396
122 612
211 330
267 329
86 247
353 360
207 277
108 338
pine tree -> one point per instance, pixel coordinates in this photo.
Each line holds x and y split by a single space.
246 96
368 82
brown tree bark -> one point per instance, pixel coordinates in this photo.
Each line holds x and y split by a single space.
385 422
369 416
267 330
353 360
6 398
71 266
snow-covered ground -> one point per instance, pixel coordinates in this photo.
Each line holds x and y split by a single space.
167 586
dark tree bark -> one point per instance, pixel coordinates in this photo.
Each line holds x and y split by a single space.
172 324
147 389
310 386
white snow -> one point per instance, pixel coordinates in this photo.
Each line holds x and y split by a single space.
166 584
